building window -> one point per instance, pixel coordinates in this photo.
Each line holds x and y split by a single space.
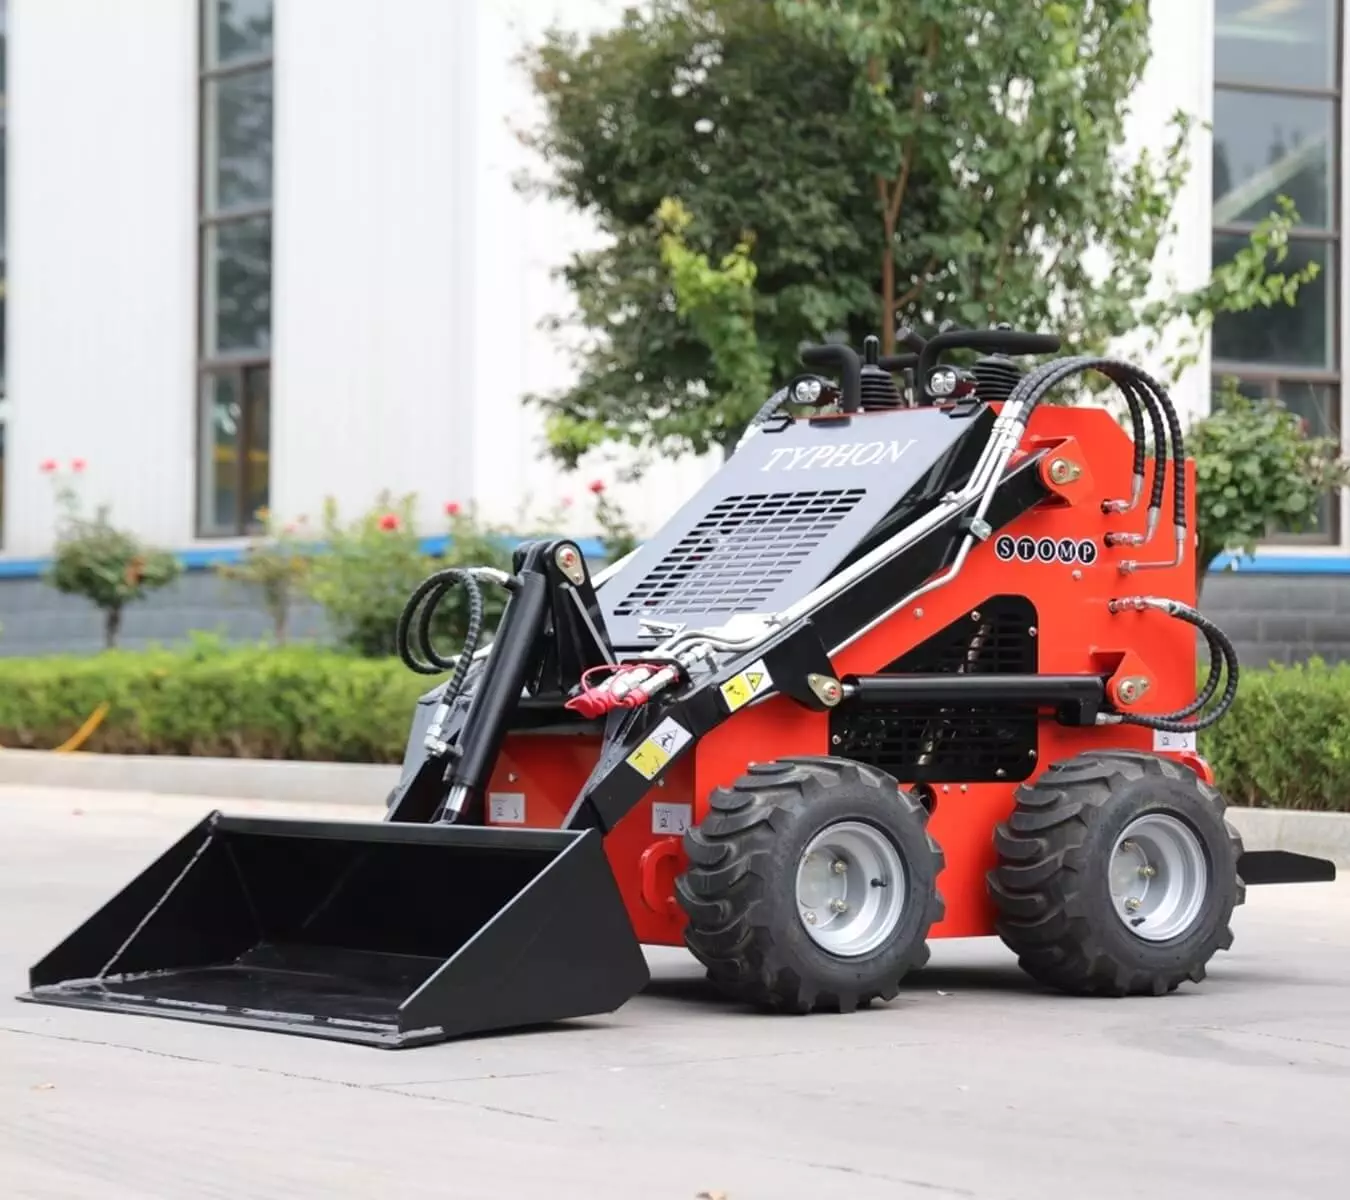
1277 131
235 266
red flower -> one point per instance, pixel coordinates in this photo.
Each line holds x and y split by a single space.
48 466
452 508
77 465
388 521
597 486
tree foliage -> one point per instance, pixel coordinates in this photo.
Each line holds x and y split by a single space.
112 568
725 107
852 164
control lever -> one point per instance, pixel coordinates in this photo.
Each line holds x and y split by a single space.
992 341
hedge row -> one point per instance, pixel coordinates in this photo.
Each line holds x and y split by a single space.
293 703
1285 743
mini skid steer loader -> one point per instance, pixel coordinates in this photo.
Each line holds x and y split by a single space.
913 664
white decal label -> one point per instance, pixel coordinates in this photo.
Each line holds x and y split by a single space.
506 808
849 454
663 744
740 689
1164 739
673 819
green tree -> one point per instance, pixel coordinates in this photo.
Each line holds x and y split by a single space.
723 106
112 568
851 164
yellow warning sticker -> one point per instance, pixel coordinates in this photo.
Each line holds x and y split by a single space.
740 689
664 743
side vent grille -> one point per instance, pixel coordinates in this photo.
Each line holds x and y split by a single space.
972 743
737 556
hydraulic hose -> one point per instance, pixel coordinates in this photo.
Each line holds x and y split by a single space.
1028 395
1220 647
427 597
766 410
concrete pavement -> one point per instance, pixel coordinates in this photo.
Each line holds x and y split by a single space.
972 1084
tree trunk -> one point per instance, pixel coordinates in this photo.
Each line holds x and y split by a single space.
112 626
888 283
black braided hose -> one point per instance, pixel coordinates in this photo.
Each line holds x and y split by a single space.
1219 647
427 596
1037 385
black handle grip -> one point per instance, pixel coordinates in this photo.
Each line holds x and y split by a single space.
993 341
898 362
845 359
908 337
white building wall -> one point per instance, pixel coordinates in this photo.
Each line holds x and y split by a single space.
520 242
410 275
372 264
101 309
1179 77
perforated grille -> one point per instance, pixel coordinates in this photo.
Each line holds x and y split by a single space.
994 639
738 555
969 743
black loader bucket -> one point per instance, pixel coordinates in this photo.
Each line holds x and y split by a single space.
383 933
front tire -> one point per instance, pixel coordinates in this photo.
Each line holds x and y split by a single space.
812 884
1117 875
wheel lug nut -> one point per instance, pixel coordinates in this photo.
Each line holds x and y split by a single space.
1132 905
840 866
809 918
838 906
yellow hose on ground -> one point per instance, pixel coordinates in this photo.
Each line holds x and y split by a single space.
83 733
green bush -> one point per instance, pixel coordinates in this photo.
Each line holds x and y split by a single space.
1285 743
297 702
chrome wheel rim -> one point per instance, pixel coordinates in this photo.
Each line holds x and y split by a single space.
1158 877
850 888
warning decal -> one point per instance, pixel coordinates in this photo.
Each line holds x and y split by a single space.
740 689
663 744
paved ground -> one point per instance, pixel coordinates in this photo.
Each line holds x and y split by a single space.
972 1084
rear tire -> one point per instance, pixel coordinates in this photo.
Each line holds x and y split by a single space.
765 921
1117 875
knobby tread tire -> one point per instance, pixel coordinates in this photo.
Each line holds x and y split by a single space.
1050 887
739 890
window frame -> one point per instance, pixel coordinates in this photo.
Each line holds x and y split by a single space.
238 364
1271 377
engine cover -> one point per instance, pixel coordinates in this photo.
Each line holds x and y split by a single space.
781 515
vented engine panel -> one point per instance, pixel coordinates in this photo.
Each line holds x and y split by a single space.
741 553
941 743
777 519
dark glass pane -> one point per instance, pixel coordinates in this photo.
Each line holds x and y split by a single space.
258 385
239 140
1267 146
1288 43
1301 335
238 286
237 29
1251 388
1318 405
221 434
